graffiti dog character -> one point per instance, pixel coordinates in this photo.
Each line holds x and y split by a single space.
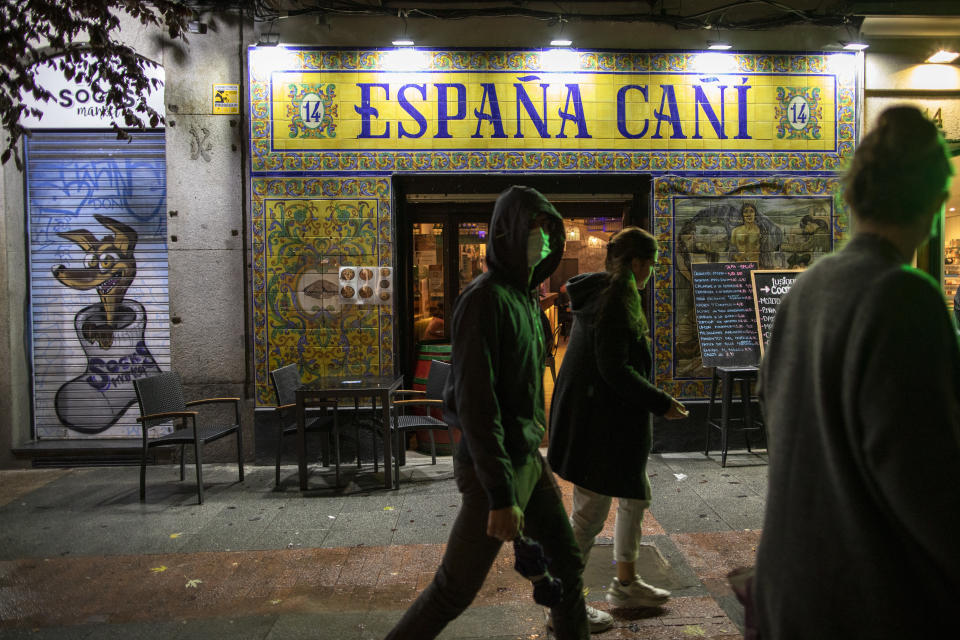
111 332
109 265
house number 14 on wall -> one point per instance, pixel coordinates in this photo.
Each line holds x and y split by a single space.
798 112
937 117
311 111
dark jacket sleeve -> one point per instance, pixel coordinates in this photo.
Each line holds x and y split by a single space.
613 361
908 412
476 363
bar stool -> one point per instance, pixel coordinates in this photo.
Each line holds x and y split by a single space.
728 377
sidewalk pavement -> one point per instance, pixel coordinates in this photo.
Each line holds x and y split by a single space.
82 558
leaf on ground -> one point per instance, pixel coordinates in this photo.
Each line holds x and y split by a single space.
193 583
694 630
173 536
159 569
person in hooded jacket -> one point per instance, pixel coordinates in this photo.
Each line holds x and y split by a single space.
601 428
495 396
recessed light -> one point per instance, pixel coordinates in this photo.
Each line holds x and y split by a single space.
943 57
403 43
719 46
561 43
855 46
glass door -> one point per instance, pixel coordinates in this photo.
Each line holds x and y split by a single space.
471 252
444 263
428 282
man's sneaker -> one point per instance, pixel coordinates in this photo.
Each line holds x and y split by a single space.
598 620
636 594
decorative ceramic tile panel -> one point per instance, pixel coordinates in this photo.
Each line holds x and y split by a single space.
549 110
795 221
305 230
328 128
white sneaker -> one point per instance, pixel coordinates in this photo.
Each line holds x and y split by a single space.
598 620
636 594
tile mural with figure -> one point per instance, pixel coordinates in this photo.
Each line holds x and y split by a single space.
775 232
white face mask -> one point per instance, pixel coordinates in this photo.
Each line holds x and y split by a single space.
538 246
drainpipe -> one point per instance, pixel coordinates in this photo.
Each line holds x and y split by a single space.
244 210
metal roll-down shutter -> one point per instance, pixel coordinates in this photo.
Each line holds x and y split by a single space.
99 300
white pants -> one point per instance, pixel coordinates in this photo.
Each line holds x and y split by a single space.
590 512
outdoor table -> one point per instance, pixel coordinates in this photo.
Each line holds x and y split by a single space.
329 387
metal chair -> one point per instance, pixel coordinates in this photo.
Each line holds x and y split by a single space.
432 398
161 403
285 382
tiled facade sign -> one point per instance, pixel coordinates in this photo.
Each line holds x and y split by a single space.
716 131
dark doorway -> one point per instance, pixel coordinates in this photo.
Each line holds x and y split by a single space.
441 224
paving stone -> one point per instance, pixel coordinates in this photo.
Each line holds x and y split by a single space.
80 632
247 628
84 541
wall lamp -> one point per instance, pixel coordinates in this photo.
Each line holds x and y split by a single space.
943 57
268 40
854 46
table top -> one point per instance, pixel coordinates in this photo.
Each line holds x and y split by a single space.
355 384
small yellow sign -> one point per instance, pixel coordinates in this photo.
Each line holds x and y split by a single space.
226 99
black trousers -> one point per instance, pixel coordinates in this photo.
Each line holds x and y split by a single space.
471 552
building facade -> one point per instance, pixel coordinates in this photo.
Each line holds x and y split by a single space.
320 203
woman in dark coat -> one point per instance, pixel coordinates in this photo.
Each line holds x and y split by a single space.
600 423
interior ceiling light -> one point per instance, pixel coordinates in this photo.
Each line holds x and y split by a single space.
943 57
855 45
719 45
560 42
403 43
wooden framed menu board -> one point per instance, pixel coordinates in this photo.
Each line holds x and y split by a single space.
769 287
726 317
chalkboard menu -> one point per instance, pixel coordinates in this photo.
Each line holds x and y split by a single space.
769 287
726 319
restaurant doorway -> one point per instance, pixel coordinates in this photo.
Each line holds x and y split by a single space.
442 224
940 255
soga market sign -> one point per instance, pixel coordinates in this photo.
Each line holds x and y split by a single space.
333 110
81 106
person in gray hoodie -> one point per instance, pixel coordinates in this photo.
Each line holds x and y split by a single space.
601 428
495 396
